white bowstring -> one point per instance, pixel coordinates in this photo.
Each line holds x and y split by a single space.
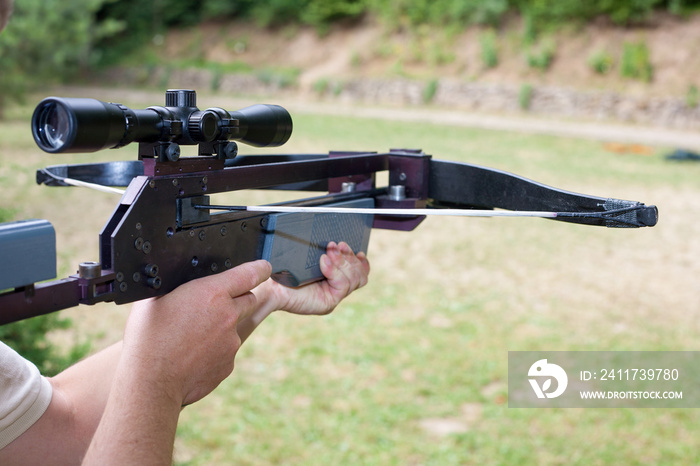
403 212
344 210
96 187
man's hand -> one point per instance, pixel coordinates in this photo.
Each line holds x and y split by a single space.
176 349
188 337
344 271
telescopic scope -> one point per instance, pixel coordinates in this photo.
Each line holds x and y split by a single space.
89 125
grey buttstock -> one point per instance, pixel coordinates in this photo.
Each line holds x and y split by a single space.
27 253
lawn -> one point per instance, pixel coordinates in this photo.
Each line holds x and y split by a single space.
412 369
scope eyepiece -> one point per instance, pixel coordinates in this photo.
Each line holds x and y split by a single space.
89 125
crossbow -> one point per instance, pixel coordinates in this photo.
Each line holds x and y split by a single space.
165 231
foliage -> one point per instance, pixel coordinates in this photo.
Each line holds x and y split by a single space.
692 97
321 13
636 62
430 90
489 48
525 96
29 338
139 23
415 12
601 62
280 77
46 40
541 55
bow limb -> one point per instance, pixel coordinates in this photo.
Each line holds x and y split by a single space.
462 185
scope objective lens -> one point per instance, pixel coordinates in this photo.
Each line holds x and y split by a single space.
54 125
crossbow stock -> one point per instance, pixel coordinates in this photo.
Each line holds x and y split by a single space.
165 231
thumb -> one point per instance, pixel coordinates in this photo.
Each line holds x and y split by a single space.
243 278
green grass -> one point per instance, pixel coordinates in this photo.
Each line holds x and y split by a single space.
426 342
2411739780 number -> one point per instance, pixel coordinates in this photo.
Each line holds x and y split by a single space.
638 374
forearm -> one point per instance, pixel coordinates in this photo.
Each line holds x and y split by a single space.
140 419
64 431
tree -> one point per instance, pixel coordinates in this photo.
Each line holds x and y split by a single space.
45 41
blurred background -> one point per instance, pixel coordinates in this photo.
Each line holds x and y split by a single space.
586 96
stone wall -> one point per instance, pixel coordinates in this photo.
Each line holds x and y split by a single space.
546 101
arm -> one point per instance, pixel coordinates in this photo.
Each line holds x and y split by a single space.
81 392
79 395
145 428
176 350
160 366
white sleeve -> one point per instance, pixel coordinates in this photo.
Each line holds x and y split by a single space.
24 395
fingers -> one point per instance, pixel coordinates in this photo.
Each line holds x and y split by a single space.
344 270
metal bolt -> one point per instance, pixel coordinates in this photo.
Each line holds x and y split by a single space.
263 222
244 226
191 233
223 231
397 192
138 244
402 177
151 270
120 277
136 277
154 282
122 287
173 152
146 247
176 183
195 261
89 270
202 235
152 184
228 263
214 267
229 150
138 225
205 180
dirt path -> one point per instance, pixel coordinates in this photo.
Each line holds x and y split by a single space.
602 131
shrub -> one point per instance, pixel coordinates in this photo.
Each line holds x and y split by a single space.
636 63
321 86
692 97
430 90
542 55
601 62
489 48
29 338
46 41
525 96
